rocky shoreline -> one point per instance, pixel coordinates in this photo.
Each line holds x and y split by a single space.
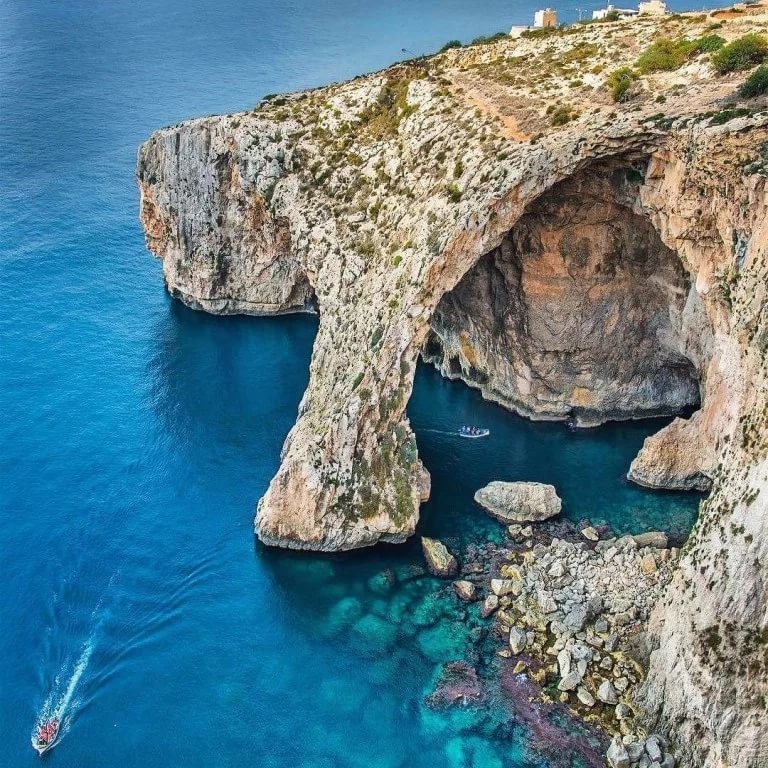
569 614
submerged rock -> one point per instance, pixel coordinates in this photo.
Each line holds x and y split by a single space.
465 590
439 560
519 502
458 684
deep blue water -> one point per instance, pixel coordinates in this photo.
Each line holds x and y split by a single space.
136 435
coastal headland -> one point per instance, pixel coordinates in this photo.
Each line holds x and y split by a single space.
574 222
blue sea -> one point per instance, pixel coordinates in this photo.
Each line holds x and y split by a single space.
136 435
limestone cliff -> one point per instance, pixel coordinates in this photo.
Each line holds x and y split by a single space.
493 209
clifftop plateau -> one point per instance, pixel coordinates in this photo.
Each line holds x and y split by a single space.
495 210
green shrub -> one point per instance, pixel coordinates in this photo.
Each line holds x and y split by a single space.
743 53
533 34
664 55
562 115
707 44
484 39
619 81
726 115
454 193
450 44
756 84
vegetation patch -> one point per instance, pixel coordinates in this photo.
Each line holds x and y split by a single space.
382 119
563 114
756 84
666 55
743 53
619 83
726 115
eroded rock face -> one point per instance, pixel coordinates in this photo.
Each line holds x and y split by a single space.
224 249
519 502
674 458
373 200
578 313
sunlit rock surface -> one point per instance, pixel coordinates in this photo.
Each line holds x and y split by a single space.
609 267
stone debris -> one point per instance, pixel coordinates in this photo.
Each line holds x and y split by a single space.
580 610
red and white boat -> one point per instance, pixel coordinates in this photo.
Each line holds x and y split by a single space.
45 735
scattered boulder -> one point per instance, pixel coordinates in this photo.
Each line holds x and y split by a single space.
618 757
490 604
585 697
654 749
465 590
655 539
570 681
575 619
517 640
519 502
439 560
564 662
590 533
501 587
648 563
607 693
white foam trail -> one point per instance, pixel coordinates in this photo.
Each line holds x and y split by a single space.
53 709
80 666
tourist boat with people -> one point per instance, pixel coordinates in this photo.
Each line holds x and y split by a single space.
474 432
45 735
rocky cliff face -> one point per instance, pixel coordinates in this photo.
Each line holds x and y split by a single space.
608 267
544 324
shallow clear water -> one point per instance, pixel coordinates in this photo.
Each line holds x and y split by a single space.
136 435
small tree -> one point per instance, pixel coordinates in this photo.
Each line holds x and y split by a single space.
743 53
619 82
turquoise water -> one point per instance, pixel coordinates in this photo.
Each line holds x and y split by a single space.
136 435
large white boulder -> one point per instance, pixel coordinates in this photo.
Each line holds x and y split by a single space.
519 502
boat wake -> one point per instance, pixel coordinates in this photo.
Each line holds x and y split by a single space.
61 703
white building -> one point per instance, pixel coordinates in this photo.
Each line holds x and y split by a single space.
545 18
652 8
622 13
517 31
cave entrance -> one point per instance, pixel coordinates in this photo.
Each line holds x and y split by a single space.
578 314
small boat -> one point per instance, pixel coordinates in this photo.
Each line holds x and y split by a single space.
45 735
474 432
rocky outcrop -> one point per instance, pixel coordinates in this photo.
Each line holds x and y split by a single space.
577 314
607 267
440 561
675 458
519 502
